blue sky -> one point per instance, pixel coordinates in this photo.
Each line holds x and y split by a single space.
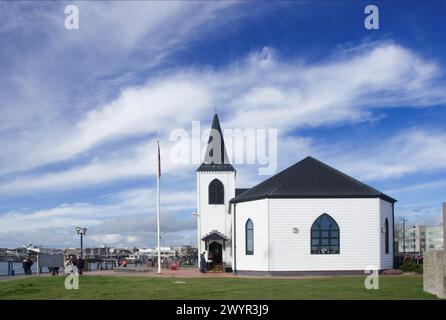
81 109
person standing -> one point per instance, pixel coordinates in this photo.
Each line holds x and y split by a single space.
80 264
202 262
27 264
67 265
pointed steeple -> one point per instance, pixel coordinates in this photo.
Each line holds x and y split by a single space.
216 151
216 157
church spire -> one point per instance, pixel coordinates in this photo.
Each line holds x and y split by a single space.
216 151
216 157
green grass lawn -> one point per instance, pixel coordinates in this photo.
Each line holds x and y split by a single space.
133 287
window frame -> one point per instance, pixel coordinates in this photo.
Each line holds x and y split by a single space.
386 237
249 251
325 238
216 192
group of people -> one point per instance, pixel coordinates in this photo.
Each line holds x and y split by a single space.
78 262
54 271
205 264
124 262
27 264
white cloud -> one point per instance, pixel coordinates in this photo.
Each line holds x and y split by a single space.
429 215
292 95
413 151
127 218
286 95
86 107
418 187
138 161
46 96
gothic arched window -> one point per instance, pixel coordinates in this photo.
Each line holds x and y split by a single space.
324 235
249 234
216 192
386 232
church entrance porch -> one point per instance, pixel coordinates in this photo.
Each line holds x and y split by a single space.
215 244
215 257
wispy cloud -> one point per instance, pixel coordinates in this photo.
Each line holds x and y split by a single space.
129 213
286 95
429 215
46 97
83 108
418 187
415 150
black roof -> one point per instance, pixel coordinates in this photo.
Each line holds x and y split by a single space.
239 191
310 178
216 157
215 235
216 167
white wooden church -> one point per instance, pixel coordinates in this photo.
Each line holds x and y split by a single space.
309 218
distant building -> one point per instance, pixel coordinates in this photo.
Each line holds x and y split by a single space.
434 238
149 253
185 251
41 249
444 224
123 251
98 252
72 252
420 238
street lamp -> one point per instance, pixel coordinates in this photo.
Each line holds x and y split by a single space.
404 235
81 231
199 237
414 241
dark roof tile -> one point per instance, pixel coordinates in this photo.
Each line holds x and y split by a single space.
310 178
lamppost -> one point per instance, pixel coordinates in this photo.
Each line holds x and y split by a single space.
81 231
404 235
414 241
199 237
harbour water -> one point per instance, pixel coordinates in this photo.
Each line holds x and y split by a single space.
18 269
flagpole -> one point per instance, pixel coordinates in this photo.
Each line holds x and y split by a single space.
158 207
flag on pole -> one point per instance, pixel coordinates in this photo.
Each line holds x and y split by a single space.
158 208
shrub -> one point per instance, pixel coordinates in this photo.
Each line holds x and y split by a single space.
411 266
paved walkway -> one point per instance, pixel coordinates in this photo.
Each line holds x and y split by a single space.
21 276
193 273
165 273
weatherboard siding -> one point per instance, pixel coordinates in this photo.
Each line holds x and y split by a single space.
257 211
358 221
386 211
277 248
215 217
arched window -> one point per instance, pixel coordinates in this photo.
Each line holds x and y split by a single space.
386 231
216 192
324 235
249 234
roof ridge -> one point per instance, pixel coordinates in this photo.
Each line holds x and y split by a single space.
310 178
348 177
